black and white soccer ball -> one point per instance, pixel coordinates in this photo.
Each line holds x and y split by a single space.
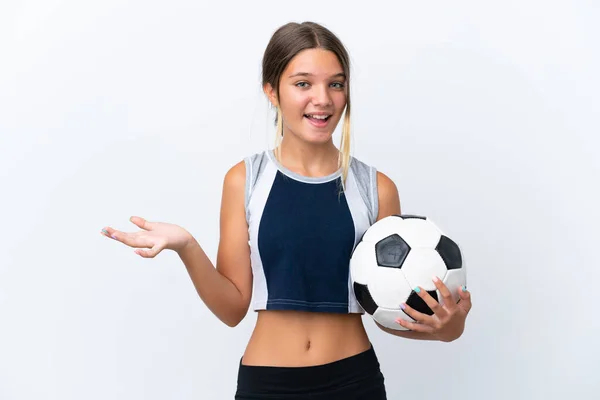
397 254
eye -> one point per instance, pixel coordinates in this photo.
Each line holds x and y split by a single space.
302 84
338 85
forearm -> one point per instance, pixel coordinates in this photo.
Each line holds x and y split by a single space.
408 334
219 294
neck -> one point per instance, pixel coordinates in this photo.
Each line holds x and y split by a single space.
309 159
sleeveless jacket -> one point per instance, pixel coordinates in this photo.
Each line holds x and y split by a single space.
302 233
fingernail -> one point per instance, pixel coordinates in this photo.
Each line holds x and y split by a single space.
464 288
417 289
435 279
402 306
114 237
105 231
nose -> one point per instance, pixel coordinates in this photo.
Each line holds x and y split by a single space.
321 96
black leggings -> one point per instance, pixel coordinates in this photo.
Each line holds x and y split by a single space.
354 378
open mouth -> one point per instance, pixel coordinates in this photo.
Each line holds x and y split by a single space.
317 118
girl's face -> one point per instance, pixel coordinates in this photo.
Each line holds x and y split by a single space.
312 95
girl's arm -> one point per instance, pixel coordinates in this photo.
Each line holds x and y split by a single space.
389 204
227 288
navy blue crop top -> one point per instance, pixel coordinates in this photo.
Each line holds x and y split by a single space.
302 233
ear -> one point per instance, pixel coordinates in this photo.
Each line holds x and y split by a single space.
270 92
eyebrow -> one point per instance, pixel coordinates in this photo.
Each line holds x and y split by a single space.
338 75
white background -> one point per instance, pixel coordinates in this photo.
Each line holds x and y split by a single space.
484 113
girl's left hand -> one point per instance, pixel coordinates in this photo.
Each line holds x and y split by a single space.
448 321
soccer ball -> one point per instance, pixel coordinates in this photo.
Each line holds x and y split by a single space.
396 254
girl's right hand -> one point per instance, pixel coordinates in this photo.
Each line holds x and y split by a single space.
154 237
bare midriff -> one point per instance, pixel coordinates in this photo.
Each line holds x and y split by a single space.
298 338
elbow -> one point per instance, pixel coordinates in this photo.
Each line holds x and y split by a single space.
232 323
236 317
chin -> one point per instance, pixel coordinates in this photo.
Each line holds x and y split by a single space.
316 137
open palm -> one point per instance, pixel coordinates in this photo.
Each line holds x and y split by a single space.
153 238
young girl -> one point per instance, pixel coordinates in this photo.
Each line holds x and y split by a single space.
290 218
